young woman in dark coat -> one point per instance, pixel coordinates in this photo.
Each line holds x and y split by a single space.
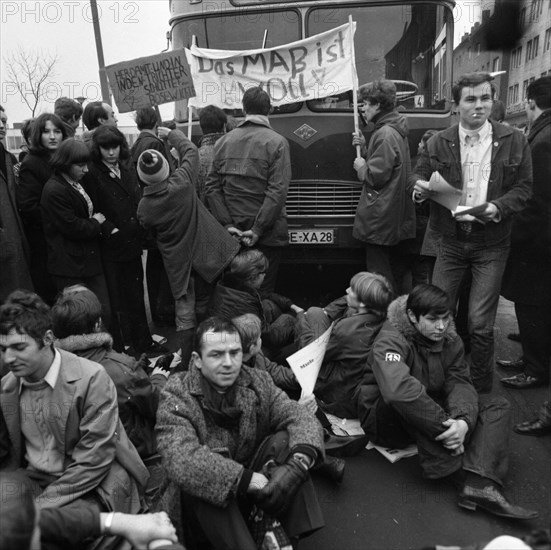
47 133
113 187
71 226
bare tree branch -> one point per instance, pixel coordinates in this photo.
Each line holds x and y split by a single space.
29 71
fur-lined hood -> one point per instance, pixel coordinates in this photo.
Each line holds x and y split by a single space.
81 342
398 318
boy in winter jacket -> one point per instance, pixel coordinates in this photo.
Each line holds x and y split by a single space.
417 388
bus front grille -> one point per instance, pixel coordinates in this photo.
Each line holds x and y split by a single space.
319 199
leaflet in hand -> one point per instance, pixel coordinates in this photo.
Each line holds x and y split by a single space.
443 193
306 362
471 210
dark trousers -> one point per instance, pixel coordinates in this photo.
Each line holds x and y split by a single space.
161 301
126 292
486 446
97 285
486 264
273 253
390 261
227 529
534 323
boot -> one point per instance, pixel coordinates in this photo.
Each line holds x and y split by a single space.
343 445
331 468
186 342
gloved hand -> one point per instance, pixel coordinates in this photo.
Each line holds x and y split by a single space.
284 482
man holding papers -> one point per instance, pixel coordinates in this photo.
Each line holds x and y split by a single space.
490 165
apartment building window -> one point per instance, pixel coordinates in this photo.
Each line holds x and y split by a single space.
535 47
531 80
524 88
510 96
536 9
528 51
517 57
515 93
547 40
478 49
522 17
495 64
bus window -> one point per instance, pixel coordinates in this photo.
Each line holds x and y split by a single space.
404 43
240 30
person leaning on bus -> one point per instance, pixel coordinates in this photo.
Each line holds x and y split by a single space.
385 216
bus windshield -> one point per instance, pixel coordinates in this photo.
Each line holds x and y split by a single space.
405 43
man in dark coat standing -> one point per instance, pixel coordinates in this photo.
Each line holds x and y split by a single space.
248 184
490 164
385 217
14 250
527 279
187 235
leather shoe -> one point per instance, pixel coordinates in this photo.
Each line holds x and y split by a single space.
331 468
522 381
490 499
532 427
344 445
515 364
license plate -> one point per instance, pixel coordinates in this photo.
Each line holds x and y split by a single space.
312 236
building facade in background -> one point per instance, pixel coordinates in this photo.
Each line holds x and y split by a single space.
527 60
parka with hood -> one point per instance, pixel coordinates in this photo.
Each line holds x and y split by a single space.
426 382
386 213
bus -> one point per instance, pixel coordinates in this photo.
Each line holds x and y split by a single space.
407 41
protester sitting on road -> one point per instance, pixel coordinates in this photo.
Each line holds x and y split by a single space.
357 319
73 449
249 327
47 133
189 238
213 125
239 292
231 439
24 527
417 389
77 326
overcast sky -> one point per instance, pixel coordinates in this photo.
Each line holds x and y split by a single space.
129 30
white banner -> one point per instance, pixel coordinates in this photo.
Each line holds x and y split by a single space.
320 66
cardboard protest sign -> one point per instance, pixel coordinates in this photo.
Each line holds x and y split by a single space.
152 80
306 362
320 66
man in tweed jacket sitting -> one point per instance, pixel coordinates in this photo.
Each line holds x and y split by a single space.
231 441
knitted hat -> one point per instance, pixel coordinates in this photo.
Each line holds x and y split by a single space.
152 167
